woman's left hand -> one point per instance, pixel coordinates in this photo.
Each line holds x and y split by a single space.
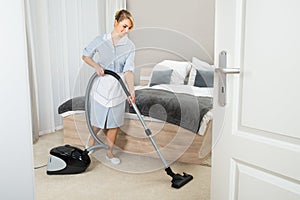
131 98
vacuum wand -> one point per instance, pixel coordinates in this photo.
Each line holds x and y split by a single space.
178 180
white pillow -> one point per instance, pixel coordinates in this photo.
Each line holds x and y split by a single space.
196 65
180 70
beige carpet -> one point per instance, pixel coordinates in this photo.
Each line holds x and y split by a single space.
104 181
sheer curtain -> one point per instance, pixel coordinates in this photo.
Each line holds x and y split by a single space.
57 31
31 71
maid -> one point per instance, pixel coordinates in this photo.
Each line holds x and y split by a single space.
116 53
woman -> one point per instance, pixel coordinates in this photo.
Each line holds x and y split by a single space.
116 53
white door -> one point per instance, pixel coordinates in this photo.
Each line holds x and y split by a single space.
256 135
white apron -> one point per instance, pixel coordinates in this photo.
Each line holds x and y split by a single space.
108 91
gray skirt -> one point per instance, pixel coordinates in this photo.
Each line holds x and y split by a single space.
107 117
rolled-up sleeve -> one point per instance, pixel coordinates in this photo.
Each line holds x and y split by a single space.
91 48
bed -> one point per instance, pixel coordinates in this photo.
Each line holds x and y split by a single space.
175 99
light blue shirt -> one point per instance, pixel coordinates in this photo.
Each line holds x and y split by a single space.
118 58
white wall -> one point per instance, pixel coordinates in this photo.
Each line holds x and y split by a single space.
16 169
172 29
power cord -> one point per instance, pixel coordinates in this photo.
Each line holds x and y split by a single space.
40 166
205 165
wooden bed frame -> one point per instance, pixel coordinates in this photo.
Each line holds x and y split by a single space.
175 143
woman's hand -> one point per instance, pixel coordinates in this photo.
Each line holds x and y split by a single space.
131 99
100 71
92 63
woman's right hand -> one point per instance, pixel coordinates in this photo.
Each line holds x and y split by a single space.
92 63
100 71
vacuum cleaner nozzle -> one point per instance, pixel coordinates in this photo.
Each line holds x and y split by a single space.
178 180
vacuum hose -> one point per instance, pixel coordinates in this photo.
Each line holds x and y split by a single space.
87 115
119 79
88 109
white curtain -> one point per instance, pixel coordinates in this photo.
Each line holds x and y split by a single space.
58 30
31 72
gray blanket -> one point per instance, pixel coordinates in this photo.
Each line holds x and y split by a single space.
183 110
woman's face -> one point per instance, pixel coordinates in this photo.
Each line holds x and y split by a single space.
123 27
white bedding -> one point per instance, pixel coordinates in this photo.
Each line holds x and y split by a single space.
187 89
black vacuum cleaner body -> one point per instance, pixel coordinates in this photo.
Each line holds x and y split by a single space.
67 160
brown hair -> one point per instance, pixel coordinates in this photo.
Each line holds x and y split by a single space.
124 14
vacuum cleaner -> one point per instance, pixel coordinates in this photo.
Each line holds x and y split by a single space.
72 160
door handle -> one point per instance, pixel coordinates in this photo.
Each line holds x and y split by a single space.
227 70
222 71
